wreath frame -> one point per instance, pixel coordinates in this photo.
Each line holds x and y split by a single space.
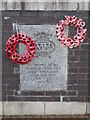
78 38
11 44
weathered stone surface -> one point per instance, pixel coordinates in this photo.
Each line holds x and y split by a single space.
0 5
46 1
45 5
65 108
44 108
1 108
88 108
23 108
84 6
48 71
50 6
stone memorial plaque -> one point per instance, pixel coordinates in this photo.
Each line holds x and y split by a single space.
48 71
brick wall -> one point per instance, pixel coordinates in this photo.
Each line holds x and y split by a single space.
77 83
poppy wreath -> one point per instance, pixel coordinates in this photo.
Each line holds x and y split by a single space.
11 44
78 38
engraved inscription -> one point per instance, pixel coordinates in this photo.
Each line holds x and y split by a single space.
43 71
45 46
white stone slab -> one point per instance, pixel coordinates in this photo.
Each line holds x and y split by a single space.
44 108
84 6
88 108
1 112
34 108
47 5
13 5
65 108
50 6
23 108
0 5
47 0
